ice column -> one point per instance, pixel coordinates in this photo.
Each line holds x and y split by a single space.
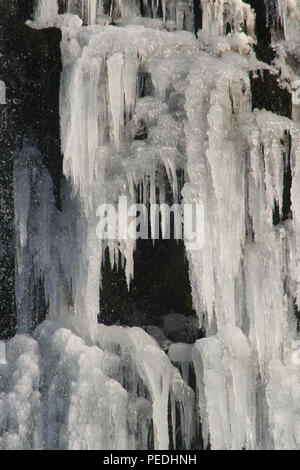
46 12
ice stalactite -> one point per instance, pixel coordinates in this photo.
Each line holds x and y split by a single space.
171 14
33 201
270 265
178 14
285 14
221 17
224 106
224 363
266 254
46 12
277 136
289 13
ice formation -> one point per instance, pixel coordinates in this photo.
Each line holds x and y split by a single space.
221 17
137 100
170 14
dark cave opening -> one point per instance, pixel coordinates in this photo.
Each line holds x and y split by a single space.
159 299
160 286
160 293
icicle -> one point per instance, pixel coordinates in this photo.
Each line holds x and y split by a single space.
181 354
115 68
128 253
154 368
217 15
2 353
46 12
21 196
289 13
164 8
130 81
185 398
223 369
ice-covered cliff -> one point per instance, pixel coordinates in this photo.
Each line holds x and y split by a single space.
146 94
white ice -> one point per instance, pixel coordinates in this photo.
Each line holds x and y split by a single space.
139 101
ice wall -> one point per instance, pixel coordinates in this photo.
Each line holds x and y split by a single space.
285 14
222 17
46 12
138 102
171 14
103 396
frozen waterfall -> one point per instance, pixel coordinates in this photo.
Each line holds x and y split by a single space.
134 68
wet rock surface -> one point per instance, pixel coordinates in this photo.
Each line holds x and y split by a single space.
30 68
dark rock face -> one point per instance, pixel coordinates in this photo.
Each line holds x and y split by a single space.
22 9
30 68
182 329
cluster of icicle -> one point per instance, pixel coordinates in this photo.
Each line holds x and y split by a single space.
285 13
77 384
177 14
